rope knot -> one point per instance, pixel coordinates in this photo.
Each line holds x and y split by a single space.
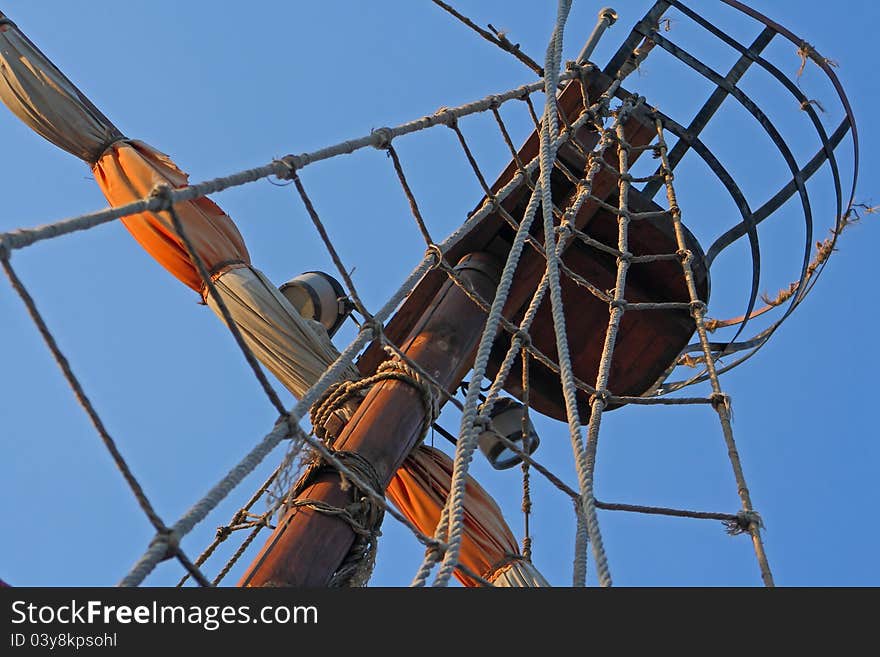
170 539
625 256
525 340
434 549
565 228
363 514
482 422
447 117
294 162
580 69
162 193
720 400
618 303
375 327
685 255
603 396
744 522
494 102
697 308
285 167
382 138
434 251
239 517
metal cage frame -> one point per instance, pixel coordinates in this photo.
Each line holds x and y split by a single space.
689 139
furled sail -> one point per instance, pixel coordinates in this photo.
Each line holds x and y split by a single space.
294 349
419 490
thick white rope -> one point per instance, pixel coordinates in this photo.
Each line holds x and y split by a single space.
23 237
201 508
600 109
549 133
581 545
451 522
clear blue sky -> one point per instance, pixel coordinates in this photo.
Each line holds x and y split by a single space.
223 86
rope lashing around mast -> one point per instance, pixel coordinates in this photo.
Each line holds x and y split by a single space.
337 395
363 515
324 399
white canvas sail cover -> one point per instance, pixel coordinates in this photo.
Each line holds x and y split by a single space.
519 573
297 351
294 349
41 96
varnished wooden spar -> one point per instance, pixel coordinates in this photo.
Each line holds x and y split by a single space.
307 547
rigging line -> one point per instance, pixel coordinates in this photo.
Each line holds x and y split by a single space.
498 38
722 407
411 199
331 249
220 490
166 539
163 192
452 519
281 431
526 429
81 397
24 237
223 535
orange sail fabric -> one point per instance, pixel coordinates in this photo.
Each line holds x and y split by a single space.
419 489
128 171
38 93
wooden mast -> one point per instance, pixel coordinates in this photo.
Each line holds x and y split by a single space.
307 547
438 327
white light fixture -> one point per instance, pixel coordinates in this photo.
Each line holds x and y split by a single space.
507 420
320 297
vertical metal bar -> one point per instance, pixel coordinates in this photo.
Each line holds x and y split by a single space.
607 18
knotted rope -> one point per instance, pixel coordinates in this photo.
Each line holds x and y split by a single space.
363 514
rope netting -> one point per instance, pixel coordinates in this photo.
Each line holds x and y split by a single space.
605 182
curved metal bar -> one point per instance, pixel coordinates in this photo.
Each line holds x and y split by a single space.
754 54
783 79
747 57
648 28
765 122
775 137
754 344
835 81
783 194
738 197
707 111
